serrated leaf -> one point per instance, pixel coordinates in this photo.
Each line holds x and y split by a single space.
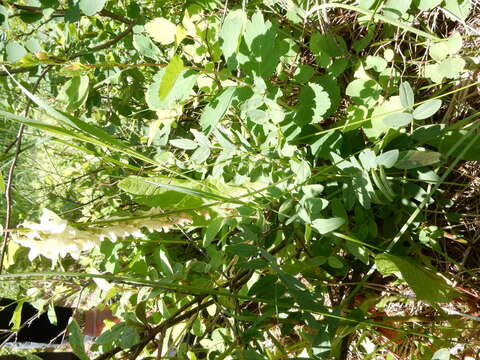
173 69
427 109
91 7
161 30
324 226
413 159
76 340
398 120
230 36
216 109
364 91
388 159
406 95
314 102
426 285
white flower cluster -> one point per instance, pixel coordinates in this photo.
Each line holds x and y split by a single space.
53 237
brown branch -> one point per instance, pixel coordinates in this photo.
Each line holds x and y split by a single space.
104 12
9 182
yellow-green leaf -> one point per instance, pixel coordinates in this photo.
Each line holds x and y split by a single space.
173 69
161 30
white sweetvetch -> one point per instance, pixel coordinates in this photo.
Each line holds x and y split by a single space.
54 238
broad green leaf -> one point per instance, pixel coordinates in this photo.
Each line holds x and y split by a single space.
74 92
331 45
364 91
427 109
243 250
406 95
440 50
459 8
376 63
109 336
428 4
230 36
216 109
368 159
201 154
258 53
172 71
212 230
324 226
413 159
398 120
161 30
388 159
427 285
442 354
396 9
185 144
76 340
181 90
444 142
314 102
145 46
376 127
163 262
334 262
91 7
15 51
3 18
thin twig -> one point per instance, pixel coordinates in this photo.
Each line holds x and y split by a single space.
9 182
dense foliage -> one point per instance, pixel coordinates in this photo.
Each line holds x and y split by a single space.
243 179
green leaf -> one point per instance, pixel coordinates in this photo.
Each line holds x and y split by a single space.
334 262
442 354
172 71
388 159
185 144
212 230
258 53
406 95
314 102
324 226
396 9
440 50
216 109
76 340
427 109
426 285
163 262
243 250
376 63
91 7
145 46
398 120
428 4
413 159
74 92
368 159
458 8
446 141
181 90
15 51
230 36
16 320
364 91
331 45
111 335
